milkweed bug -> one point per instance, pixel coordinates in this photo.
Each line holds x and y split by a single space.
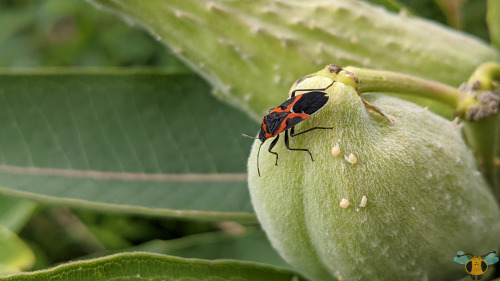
284 118
296 109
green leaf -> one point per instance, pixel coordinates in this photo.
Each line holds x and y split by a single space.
144 142
252 245
153 267
14 213
252 51
493 20
473 19
15 256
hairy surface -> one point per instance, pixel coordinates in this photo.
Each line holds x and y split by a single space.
425 196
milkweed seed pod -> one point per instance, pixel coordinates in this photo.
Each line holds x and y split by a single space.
426 198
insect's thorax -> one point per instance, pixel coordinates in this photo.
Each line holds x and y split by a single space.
273 123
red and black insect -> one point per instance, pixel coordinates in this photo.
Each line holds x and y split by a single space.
284 118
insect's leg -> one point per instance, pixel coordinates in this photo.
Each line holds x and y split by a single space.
271 146
293 134
287 144
308 90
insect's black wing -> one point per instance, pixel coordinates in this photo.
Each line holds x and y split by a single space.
310 102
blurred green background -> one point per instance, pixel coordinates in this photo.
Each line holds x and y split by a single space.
72 33
36 33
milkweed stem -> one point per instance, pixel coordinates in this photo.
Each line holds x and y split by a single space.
386 81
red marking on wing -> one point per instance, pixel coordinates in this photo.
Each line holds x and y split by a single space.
301 115
288 104
284 126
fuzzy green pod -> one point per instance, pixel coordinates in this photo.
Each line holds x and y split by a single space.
424 197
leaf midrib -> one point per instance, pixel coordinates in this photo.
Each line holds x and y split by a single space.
125 176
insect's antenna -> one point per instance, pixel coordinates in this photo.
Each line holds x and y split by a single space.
492 252
258 169
466 254
247 136
258 153
309 90
329 86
